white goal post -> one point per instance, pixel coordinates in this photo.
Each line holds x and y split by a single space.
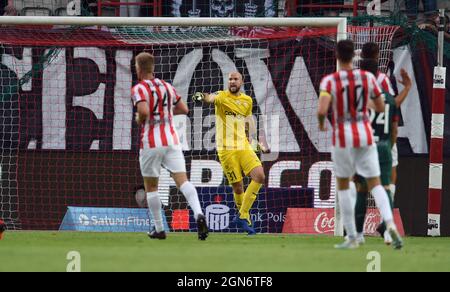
340 23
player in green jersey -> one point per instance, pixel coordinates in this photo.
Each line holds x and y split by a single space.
384 126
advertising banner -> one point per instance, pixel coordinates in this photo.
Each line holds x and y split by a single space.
108 220
322 221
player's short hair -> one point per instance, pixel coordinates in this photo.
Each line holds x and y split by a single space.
146 62
345 51
370 51
370 65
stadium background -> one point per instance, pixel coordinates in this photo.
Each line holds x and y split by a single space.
74 153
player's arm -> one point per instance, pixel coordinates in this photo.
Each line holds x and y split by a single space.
376 95
204 97
395 120
253 137
394 133
252 131
407 83
139 101
378 103
322 112
142 112
180 108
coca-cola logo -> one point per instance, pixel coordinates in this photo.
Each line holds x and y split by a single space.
371 223
324 224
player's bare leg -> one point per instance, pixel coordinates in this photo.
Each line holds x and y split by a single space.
190 193
382 202
347 201
154 205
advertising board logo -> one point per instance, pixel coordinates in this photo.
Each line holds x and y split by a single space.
84 220
371 223
432 224
438 79
218 217
324 224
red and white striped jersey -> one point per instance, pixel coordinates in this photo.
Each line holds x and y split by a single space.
350 91
158 130
385 83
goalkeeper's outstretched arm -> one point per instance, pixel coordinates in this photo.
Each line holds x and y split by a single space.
204 97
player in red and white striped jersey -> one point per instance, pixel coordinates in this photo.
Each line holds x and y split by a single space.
161 98
349 91
156 102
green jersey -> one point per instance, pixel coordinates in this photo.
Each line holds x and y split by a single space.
382 122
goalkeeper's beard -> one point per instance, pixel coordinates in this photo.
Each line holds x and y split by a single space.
234 89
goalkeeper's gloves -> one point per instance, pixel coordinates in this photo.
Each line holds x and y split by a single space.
198 96
258 147
254 145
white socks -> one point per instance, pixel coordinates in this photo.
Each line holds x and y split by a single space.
382 201
392 187
353 190
191 195
347 202
154 204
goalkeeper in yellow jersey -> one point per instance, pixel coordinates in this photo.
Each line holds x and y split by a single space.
236 153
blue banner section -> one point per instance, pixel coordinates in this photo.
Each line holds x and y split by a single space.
108 220
268 212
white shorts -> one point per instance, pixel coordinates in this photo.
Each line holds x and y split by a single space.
171 158
348 161
394 156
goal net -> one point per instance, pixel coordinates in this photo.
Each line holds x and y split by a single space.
70 146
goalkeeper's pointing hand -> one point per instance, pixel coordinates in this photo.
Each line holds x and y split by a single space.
198 96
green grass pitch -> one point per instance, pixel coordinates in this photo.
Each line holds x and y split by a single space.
47 251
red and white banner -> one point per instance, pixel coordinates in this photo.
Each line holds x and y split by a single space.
322 221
